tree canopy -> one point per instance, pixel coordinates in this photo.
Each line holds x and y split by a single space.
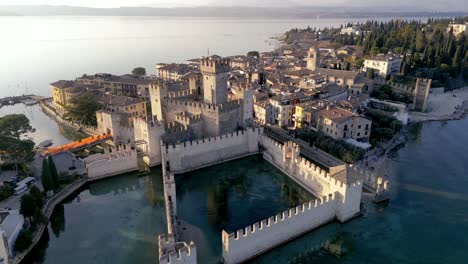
14 125
28 205
83 109
424 45
139 71
253 54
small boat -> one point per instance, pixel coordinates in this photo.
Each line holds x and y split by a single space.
46 143
30 102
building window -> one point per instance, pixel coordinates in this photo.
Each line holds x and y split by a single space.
367 127
358 134
359 127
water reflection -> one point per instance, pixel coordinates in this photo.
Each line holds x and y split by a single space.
231 196
57 220
110 221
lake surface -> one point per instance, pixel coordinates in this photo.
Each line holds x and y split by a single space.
426 221
36 51
46 127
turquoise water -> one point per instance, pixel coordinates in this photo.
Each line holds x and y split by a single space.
426 221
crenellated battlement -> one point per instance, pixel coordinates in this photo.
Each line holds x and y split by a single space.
173 102
272 142
210 140
172 252
181 94
175 127
214 66
401 88
270 222
186 118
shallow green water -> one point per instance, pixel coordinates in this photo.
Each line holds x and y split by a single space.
115 221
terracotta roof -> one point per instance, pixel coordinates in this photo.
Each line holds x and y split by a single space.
336 114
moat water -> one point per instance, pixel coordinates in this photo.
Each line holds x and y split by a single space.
426 221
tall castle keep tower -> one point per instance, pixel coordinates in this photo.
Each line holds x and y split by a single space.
421 93
313 59
215 73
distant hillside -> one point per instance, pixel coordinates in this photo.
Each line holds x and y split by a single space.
220 11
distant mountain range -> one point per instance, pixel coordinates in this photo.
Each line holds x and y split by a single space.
226 11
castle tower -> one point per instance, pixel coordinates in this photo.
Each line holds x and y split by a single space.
158 91
421 93
313 59
215 74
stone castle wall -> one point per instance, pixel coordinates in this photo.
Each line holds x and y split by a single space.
204 152
172 252
260 237
148 136
117 160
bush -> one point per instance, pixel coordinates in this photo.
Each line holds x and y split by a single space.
384 127
23 241
5 192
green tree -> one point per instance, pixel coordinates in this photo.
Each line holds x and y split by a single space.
374 51
28 206
139 71
83 109
5 192
37 195
253 54
457 60
420 41
53 173
16 150
23 241
46 178
14 125
370 73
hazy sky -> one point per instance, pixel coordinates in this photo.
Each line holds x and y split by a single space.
460 4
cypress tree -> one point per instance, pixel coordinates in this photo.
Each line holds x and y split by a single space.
45 176
53 173
456 61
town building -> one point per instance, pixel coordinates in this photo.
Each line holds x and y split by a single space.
132 106
458 28
129 84
173 71
339 123
383 65
63 92
11 223
351 30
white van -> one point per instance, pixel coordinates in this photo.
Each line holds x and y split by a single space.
21 189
